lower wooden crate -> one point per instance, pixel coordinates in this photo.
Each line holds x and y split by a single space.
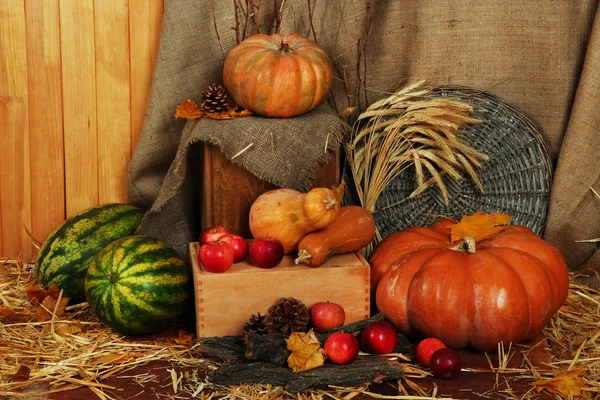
225 301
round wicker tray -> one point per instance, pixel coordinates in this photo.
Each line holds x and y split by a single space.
516 178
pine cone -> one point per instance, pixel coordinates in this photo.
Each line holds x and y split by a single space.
256 324
215 99
286 316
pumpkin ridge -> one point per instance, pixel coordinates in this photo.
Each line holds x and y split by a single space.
434 309
320 79
553 279
516 277
259 65
382 296
541 268
528 295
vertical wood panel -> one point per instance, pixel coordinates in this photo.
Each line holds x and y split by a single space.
75 76
46 117
144 29
79 102
15 188
113 98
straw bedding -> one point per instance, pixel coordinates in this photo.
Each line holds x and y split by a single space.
75 350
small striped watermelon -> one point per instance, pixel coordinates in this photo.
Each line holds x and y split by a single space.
64 257
138 285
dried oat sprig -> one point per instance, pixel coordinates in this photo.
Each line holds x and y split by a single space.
411 128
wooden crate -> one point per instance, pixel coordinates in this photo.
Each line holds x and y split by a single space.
225 301
228 190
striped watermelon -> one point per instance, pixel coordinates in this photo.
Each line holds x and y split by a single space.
138 285
64 257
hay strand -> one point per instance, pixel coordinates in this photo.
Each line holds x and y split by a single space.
75 350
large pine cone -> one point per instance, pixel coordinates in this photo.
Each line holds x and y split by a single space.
256 324
215 99
286 316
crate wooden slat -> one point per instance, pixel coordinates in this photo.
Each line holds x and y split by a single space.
225 301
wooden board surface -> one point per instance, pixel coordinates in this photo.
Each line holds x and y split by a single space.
46 139
469 385
75 76
225 301
15 177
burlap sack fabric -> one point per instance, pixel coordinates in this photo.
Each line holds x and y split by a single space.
541 57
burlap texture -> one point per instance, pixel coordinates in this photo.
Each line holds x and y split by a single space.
529 54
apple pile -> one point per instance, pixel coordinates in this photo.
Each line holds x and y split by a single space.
342 348
220 249
378 338
444 362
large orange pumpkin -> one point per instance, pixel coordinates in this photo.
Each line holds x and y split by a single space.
506 290
278 75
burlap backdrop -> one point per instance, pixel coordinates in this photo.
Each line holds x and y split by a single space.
542 57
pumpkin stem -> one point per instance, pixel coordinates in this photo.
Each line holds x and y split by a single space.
303 255
466 244
330 202
285 47
113 279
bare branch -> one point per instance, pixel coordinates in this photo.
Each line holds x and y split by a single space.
279 15
367 31
310 18
254 18
358 79
237 23
249 16
212 6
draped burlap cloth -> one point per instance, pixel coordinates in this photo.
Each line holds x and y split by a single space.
541 57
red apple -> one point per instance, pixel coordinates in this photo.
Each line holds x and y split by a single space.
238 244
425 350
326 316
341 348
212 234
379 338
446 363
216 256
266 252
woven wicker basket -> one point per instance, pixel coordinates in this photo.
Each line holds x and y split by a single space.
516 177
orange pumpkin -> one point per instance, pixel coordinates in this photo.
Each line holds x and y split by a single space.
504 289
288 215
278 75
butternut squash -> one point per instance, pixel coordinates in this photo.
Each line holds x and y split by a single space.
288 215
353 229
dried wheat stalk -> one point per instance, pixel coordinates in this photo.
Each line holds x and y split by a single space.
411 127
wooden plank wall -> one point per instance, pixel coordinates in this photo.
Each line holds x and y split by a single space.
74 81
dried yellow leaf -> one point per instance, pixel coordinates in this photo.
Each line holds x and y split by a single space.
183 338
233 112
306 351
568 384
479 226
67 329
49 306
188 110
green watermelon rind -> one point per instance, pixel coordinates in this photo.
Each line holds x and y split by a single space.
138 285
66 254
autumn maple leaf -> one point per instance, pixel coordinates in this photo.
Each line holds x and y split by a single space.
306 351
51 305
183 338
568 384
479 226
188 110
